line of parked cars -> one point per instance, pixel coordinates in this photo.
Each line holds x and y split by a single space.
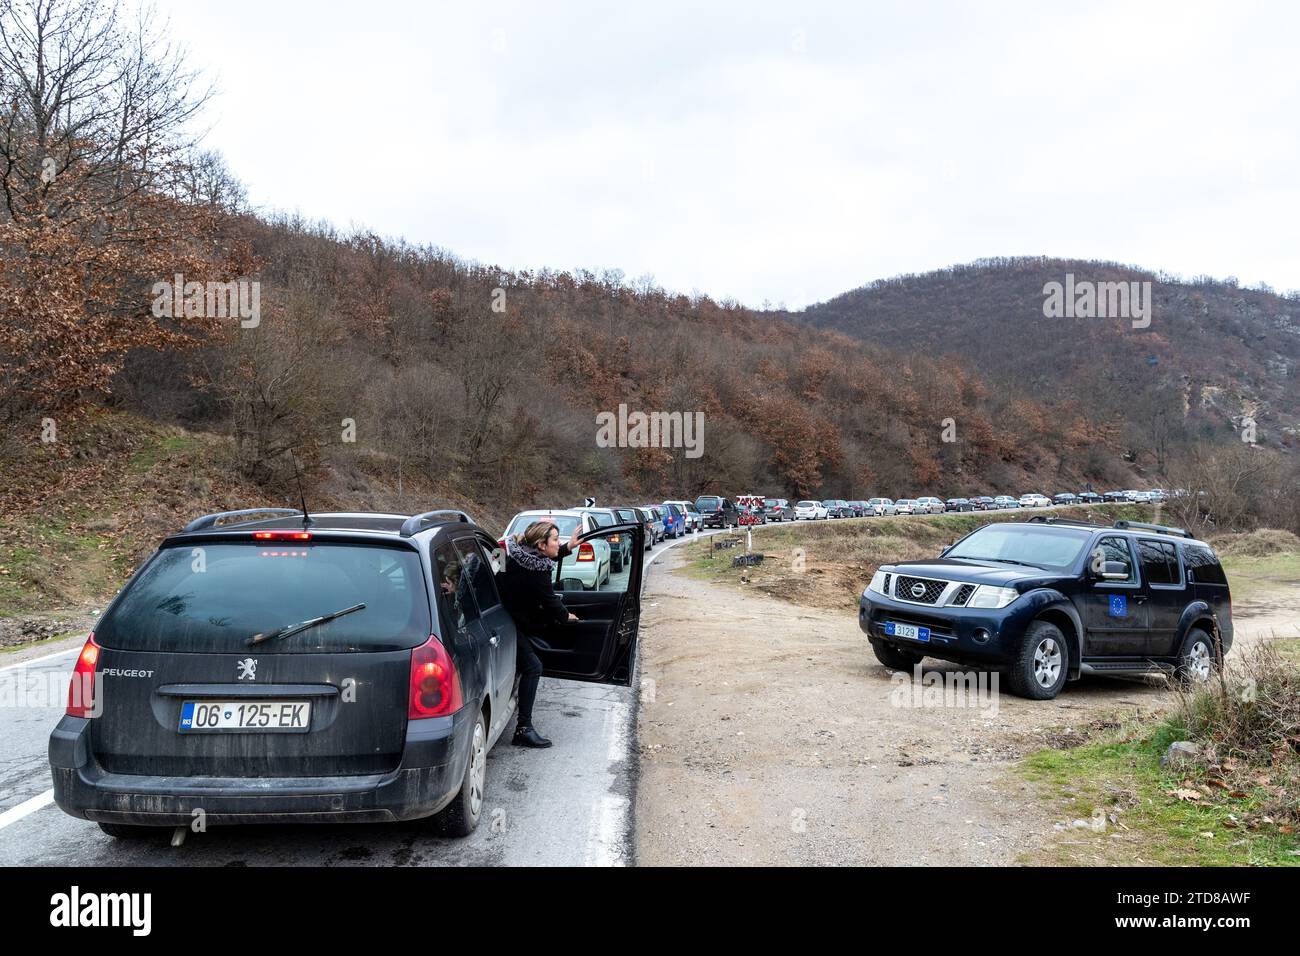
722 512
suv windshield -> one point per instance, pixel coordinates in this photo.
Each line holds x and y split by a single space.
213 597
1054 549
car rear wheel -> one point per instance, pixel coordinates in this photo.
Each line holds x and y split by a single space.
895 658
131 831
1196 659
1041 667
460 817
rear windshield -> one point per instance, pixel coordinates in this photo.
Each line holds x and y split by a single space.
707 504
602 519
212 597
564 523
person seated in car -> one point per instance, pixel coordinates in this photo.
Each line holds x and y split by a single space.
528 593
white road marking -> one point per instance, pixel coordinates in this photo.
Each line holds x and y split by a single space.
610 815
14 814
47 657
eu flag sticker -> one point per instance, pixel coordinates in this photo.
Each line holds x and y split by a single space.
187 714
1118 605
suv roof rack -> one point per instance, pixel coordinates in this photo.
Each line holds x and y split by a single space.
1053 519
1125 524
209 521
415 524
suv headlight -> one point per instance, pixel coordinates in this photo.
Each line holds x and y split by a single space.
877 583
990 597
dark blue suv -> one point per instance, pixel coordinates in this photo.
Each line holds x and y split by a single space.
1049 600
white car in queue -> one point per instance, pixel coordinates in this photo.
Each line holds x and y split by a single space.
810 511
593 560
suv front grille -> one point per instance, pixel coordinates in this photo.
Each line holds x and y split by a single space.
963 594
919 590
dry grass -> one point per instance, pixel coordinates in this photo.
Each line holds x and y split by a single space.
1256 544
1247 721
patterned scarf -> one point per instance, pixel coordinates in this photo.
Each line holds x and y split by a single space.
530 558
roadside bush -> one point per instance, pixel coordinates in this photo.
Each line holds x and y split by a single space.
1252 710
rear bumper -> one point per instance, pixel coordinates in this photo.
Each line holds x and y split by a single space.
427 779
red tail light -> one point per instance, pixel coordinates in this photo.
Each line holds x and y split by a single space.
586 552
435 685
502 544
81 690
281 535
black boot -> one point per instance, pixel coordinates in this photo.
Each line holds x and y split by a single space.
527 736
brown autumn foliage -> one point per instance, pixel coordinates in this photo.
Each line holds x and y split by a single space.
480 377
100 198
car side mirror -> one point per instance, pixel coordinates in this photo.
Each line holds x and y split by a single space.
1114 571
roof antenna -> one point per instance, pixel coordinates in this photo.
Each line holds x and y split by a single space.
302 497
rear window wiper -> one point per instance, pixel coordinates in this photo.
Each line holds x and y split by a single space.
291 629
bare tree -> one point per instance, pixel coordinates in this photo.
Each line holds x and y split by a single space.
1231 487
95 137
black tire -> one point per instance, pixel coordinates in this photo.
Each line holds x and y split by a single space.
460 817
1196 667
1043 655
894 657
132 831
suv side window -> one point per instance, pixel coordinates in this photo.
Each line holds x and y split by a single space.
1116 549
1203 564
478 571
1160 563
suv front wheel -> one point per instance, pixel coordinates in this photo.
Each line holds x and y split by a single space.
1042 663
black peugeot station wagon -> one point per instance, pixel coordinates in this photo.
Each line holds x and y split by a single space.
1049 600
268 667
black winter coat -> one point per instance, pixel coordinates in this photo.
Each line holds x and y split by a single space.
530 596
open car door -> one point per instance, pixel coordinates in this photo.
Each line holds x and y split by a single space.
601 645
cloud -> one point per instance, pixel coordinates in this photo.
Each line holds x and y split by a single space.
766 152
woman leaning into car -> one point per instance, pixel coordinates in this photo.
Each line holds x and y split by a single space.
529 595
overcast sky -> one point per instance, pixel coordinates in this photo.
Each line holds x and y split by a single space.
784 153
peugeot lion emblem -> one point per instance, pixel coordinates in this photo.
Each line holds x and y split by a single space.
247 668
